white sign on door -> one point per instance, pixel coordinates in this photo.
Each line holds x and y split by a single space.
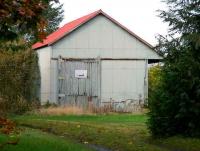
81 74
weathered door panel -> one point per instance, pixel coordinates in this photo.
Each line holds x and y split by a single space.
78 82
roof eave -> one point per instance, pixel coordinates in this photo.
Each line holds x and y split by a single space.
40 47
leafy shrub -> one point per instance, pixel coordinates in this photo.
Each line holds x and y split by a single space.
48 104
19 81
154 79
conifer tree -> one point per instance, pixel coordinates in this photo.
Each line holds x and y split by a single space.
175 105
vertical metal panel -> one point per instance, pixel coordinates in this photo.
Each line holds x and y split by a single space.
122 80
71 89
53 81
44 55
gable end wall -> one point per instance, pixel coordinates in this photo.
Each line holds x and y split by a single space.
100 37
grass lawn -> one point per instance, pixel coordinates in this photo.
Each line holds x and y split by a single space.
119 132
111 118
35 140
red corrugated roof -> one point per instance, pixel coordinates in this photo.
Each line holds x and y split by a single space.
69 27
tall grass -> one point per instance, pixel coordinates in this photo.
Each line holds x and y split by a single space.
66 110
75 110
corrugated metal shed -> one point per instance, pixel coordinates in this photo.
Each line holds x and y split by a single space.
95 60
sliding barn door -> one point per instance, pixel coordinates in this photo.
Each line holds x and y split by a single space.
79 82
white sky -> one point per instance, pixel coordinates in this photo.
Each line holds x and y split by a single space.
139 16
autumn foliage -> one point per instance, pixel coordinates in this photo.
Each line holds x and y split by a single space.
22 16
6 126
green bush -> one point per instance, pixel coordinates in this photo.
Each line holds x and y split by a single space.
175 104
19 81
154 76
48 104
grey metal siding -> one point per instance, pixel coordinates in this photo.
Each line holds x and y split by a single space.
122 80
100 37
54 81
44 55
